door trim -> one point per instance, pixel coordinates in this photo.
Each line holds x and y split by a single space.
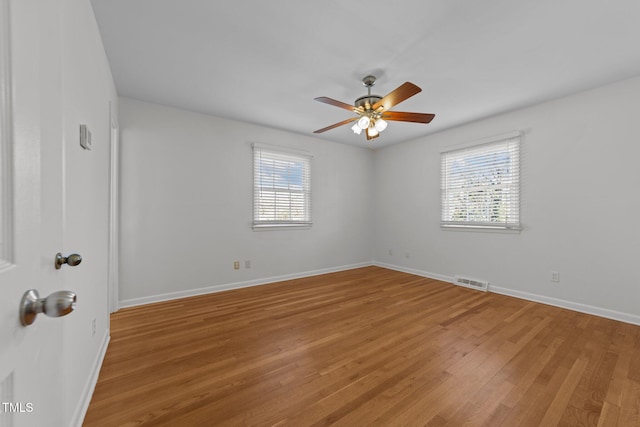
114 209
6 133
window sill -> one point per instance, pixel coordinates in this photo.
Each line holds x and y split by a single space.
482 229
279 227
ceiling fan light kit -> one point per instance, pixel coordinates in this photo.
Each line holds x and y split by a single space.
372 110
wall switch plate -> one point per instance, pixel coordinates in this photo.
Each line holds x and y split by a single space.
85 137
555 277
236 265
247 264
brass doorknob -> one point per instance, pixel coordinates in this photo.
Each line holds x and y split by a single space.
71 260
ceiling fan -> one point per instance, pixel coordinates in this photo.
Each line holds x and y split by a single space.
372 111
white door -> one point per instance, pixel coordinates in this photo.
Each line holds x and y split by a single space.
31 212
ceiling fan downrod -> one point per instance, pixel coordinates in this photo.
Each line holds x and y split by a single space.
367 100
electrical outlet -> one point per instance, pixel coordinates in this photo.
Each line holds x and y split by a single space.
390 252
247 264
236 265
555 277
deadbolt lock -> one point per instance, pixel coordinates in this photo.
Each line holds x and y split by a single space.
71 260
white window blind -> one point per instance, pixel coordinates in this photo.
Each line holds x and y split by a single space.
282 188
480 186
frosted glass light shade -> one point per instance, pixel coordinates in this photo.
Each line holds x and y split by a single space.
381 125
356 129
372 131
363 123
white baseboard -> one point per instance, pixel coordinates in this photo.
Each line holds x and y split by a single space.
237 285
414 271
570 305
81 410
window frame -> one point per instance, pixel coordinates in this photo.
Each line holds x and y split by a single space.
282 155
507 144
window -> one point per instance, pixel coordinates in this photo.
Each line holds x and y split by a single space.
480 185
282 188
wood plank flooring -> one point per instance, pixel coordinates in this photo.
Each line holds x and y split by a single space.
364 347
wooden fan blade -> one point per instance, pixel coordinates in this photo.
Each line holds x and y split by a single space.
344 122
404 91
408 117
335 103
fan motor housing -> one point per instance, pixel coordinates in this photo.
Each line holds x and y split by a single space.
367 99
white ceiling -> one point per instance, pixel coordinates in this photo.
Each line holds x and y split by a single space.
264 62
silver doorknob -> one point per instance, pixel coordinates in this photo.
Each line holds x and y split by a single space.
71 260
57 304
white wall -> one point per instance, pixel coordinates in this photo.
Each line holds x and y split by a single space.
580 200
186 205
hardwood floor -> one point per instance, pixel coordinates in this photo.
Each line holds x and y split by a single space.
366 347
